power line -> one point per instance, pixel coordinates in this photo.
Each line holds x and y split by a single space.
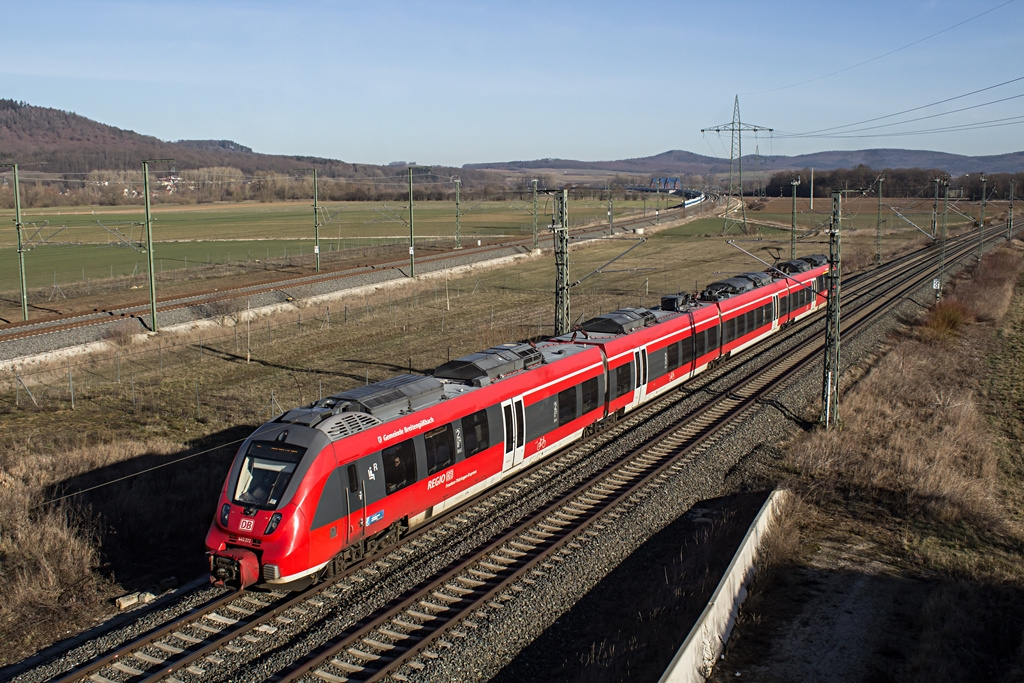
980 125
883 55
906 121
907 111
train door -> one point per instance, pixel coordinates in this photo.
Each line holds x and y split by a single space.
513 417
775 311
364 488
640 363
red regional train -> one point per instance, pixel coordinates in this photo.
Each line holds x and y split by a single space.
323 485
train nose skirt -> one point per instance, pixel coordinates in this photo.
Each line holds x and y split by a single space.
234 567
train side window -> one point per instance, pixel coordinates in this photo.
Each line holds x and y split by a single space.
399 465
686 356
672 361
566 406
477 436
440 447
623 379
591 396
713 336
728 330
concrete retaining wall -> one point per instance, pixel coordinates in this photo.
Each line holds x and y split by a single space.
699 652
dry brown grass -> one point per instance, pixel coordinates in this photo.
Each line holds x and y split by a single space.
920 485
913 438
122 333
987 293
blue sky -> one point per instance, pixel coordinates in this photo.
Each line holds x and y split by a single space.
452 82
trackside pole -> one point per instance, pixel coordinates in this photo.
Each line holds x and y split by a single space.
830 377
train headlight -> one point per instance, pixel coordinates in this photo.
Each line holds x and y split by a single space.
275 519
225 510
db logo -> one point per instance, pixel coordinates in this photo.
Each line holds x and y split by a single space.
245 525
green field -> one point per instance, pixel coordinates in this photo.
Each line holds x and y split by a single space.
83 244
86 243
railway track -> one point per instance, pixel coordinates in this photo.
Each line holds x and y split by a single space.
213 631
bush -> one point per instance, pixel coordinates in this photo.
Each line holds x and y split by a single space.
944 319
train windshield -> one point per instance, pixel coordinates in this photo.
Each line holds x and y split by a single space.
266 471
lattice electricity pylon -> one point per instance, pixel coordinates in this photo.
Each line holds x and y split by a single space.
830 375
735 165
560 227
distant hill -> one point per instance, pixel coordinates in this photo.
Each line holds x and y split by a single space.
677 162
58 142
55 141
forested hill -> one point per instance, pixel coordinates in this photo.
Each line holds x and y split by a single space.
55 141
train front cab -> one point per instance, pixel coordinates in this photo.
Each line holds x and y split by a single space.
259 532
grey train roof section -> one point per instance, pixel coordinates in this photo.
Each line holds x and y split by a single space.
491 363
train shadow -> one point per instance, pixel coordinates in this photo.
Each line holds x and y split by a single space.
150 514
391 368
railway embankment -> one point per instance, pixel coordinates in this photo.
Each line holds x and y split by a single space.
902 556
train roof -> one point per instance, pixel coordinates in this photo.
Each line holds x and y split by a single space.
363 407
723 289
491 363
794 266
815 260
760 279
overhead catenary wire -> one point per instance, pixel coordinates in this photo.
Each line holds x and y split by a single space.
79 492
